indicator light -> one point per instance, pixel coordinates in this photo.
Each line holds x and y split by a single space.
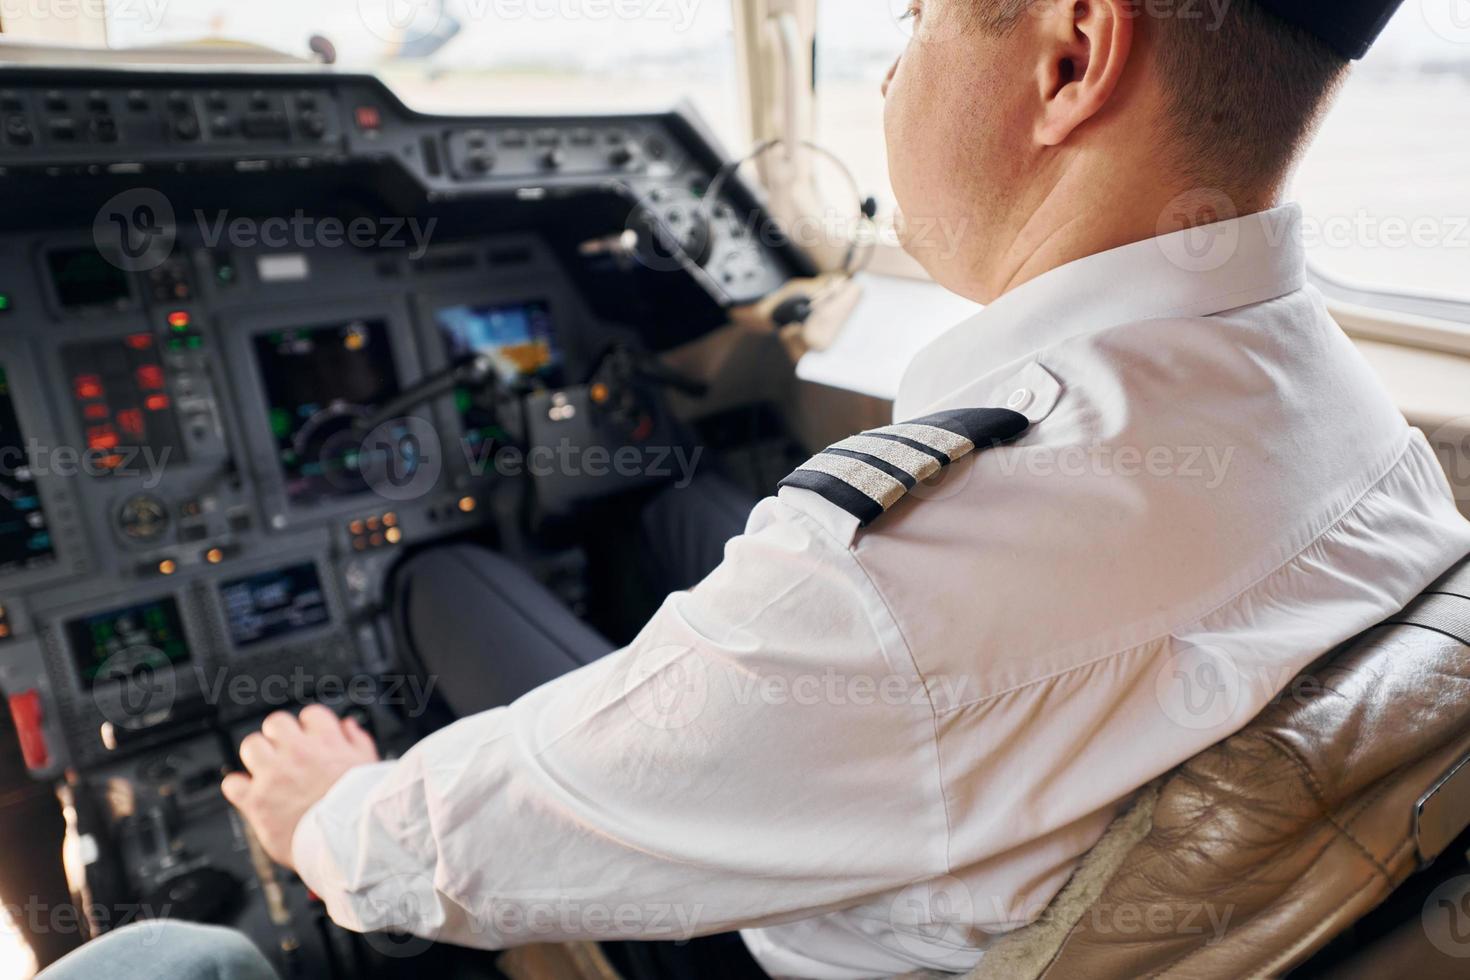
467 505
167 567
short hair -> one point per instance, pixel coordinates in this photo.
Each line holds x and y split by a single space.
1244 89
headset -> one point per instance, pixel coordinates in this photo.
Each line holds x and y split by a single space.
799 307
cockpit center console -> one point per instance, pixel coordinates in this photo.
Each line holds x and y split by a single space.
239 318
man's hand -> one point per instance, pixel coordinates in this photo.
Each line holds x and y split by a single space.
292 763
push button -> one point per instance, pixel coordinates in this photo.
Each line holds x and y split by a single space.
1020 400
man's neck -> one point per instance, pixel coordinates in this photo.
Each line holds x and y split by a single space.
1086 210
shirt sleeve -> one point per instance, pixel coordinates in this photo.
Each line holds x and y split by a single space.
763 751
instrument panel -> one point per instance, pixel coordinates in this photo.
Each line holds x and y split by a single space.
190 492
238 313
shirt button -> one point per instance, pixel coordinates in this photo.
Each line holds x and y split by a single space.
1020 400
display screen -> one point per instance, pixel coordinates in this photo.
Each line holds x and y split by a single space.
114 645
274 604
119 390
319 381
25 538
85 279
519 339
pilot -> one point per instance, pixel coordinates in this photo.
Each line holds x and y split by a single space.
1118 511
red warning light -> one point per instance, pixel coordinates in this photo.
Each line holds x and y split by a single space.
140 341
101 437
95 412
150 377
156 403
130 420
87 386
179 320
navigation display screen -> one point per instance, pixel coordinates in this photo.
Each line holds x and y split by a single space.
272 604
25 538
120 393
114 645
520 341
518 337
319 381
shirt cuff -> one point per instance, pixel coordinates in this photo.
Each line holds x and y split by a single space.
335 820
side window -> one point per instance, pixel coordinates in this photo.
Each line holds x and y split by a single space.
1386 185
857 42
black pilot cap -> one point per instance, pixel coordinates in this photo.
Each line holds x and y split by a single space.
1348 27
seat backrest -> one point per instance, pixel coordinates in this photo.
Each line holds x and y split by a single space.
1257 852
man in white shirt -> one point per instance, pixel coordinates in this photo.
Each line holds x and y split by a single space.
1121 509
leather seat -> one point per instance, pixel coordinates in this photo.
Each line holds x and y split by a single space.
1254 855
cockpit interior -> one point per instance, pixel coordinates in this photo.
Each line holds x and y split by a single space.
293 295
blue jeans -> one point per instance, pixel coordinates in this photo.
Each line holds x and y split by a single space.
164 949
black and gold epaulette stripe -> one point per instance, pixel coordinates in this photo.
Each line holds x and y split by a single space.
868 473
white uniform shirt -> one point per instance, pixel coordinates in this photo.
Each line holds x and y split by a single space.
876 748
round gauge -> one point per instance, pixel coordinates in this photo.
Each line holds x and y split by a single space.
142 518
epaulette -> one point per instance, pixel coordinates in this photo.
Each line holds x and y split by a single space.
867 474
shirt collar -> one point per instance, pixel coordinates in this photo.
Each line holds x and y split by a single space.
1196 272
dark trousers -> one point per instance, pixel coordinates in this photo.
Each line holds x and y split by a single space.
462 604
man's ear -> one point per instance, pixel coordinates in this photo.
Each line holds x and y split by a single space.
1084 48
